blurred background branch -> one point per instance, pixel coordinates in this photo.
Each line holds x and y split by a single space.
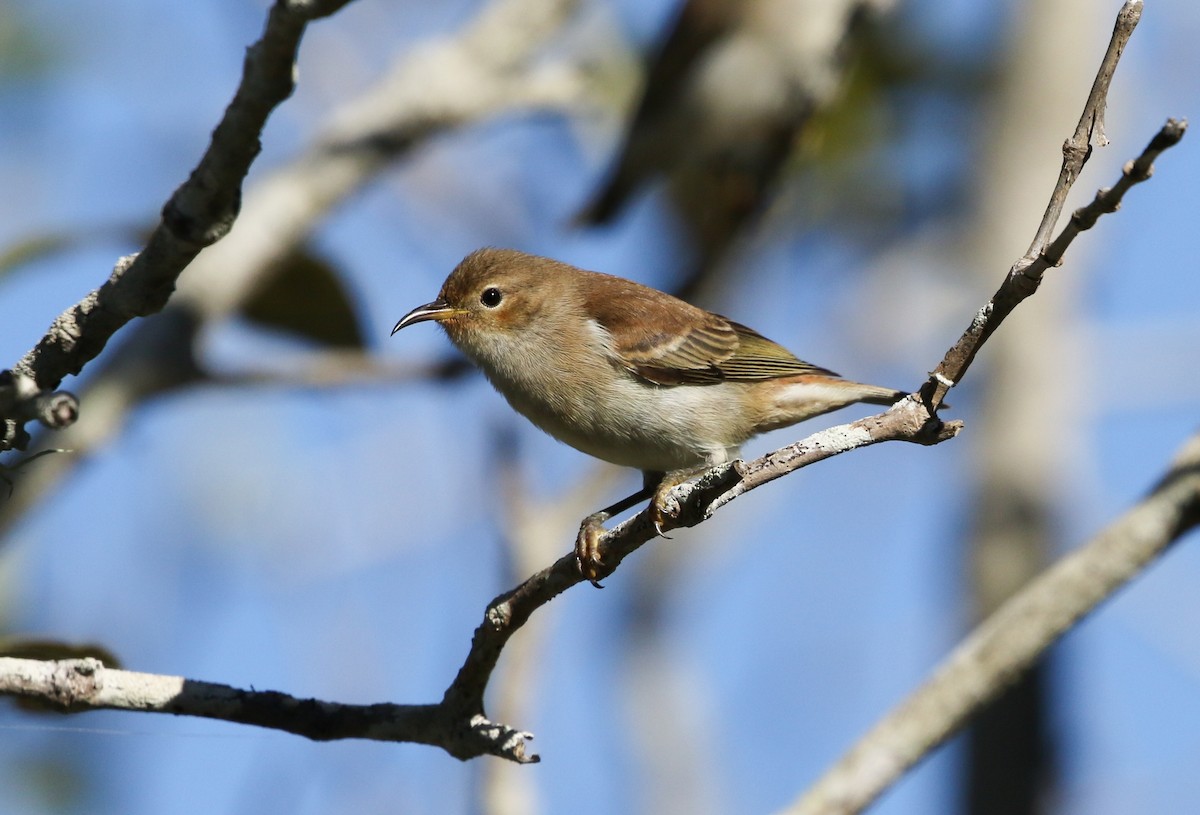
1008 642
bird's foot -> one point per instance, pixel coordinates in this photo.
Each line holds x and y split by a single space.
664 507
587 549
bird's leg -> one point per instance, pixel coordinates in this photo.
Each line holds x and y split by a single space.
587 544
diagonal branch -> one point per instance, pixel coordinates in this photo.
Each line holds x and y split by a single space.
199 213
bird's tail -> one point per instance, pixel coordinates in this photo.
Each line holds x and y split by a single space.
808 396
875 395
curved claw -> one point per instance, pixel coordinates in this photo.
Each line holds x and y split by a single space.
658 517
587 549
661 503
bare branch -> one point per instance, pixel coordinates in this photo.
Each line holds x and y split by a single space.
1078 148
696 501
1025 276
1009 641
85 684
457 724
482 69
1109 199
198 214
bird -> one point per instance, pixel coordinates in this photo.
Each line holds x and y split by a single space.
626 373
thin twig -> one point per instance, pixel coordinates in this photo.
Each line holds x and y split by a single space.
1090 130
1109 199
1024 278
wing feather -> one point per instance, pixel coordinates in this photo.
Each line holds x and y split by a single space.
669 342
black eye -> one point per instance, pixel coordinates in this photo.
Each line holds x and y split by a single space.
491 297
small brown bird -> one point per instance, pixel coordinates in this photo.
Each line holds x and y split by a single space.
626 373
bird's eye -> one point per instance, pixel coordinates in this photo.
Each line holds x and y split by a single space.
491 297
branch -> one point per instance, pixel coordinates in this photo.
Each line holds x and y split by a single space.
1078 149
999 650
1009 641
1109 199
457 724
696 501
486 67
910 419
85 684
198 214
1025 276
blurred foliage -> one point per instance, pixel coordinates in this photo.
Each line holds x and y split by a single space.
306 296
884 64
50 783
42 245
25 50
34 247
840 171
47 649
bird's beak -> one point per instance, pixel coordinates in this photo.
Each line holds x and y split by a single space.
437 310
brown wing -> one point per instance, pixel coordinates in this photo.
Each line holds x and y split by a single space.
759 358
669 342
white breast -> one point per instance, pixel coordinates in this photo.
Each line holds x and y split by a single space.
589 402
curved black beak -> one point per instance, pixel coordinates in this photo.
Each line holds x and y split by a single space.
438 310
